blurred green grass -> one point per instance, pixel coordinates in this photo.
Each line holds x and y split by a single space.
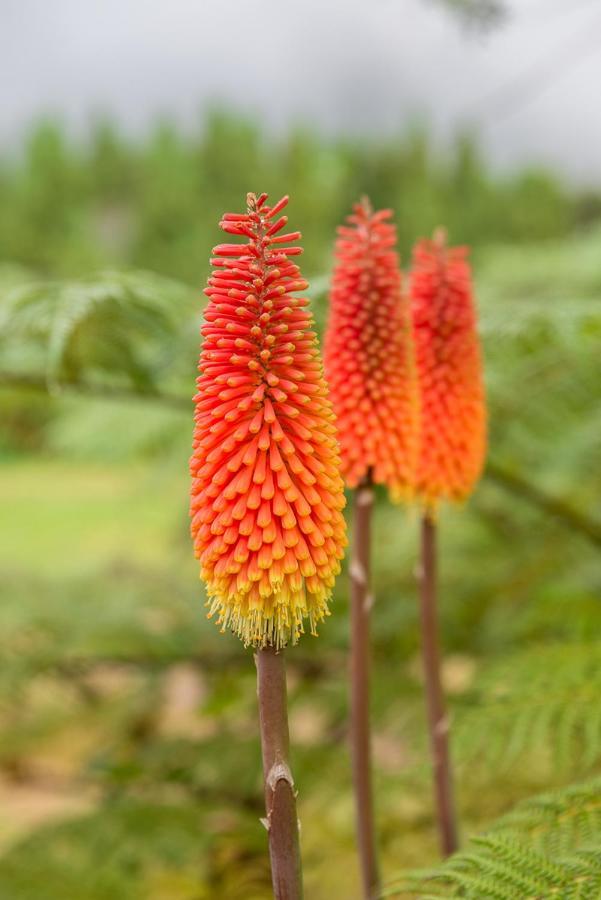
83 517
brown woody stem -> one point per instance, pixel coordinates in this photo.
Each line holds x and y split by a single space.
361 602
438 722
280 797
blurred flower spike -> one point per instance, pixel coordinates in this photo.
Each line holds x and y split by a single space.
369 357
267 497
450 377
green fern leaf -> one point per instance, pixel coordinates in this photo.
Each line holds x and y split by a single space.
120 323
542 697
548 846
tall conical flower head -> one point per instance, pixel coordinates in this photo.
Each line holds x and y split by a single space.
266 493
368 355
449 363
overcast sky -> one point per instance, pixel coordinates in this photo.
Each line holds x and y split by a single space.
531 86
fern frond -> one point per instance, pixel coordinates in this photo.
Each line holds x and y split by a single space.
546 697
503 869
549 846
120 323
559 821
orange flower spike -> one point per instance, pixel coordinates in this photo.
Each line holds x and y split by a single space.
449 363
368 355
266 498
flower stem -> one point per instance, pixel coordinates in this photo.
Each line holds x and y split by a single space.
361 602
280 796
438 722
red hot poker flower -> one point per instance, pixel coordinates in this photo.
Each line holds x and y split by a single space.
266 493
453 412
368 355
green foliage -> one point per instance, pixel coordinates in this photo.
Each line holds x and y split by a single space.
67 209
540 701
547 847
56 863
480 13
559 822
113 688
111 323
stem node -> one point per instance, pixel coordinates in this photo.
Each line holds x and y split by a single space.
280 822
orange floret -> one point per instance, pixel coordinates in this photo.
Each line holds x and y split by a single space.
449 363
266 494
368 355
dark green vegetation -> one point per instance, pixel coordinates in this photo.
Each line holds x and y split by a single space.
129 759
68 208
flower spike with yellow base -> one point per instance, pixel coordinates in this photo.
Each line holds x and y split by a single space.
370 370
267 496
452 444
369 356
449 364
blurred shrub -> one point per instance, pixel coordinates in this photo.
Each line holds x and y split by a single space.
67 207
